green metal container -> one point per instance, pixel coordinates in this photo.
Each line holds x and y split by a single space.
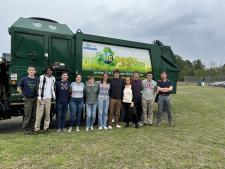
39 43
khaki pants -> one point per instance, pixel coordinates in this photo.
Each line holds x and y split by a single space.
43 106
147 106
29 113
114 108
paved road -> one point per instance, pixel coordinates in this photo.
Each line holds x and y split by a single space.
11 125
15 124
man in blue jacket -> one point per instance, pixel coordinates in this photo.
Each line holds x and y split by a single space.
62 100
164 88
27 87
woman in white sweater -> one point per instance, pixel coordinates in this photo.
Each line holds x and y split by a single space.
128 103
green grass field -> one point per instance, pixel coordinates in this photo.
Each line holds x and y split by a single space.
197 141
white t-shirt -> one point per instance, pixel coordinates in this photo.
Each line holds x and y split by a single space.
127 94
149 88
48 88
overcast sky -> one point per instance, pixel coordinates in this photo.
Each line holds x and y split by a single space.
193 28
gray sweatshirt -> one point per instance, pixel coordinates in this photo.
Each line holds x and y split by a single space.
149 87
91 93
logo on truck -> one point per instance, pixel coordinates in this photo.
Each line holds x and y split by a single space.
89 46
106 55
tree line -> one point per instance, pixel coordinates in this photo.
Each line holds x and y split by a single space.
197 68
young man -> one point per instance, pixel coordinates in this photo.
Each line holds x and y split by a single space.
164 88
46 91
148 98
62 101
27 87
137 87
116 94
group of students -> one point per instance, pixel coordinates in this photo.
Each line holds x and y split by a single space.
108 96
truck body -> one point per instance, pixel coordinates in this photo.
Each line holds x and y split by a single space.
42 42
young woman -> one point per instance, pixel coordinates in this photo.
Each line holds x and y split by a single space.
103 102
128 103
91 93
76 102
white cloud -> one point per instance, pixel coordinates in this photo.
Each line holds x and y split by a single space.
194 29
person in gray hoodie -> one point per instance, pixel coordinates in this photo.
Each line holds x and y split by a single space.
148 97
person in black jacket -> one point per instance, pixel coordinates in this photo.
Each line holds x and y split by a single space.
137 88
115 93
62 101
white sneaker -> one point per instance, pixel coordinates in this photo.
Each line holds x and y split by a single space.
118 126
58 131
92 128
105 128
78 129
141 124
87 129
70 129
110 127
100 128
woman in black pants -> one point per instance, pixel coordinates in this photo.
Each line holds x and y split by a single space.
128 103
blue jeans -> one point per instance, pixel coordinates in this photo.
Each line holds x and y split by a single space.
61 110
91 114
164 104
76 107
103 107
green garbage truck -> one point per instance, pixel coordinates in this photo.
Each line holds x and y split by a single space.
43 42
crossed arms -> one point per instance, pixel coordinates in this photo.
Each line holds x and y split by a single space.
165 89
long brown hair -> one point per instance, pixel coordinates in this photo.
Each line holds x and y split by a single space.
125 80
105 73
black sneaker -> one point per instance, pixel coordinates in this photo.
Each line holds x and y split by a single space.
127 125
46 131
30 132
27 132
145 124
36 132
137 126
